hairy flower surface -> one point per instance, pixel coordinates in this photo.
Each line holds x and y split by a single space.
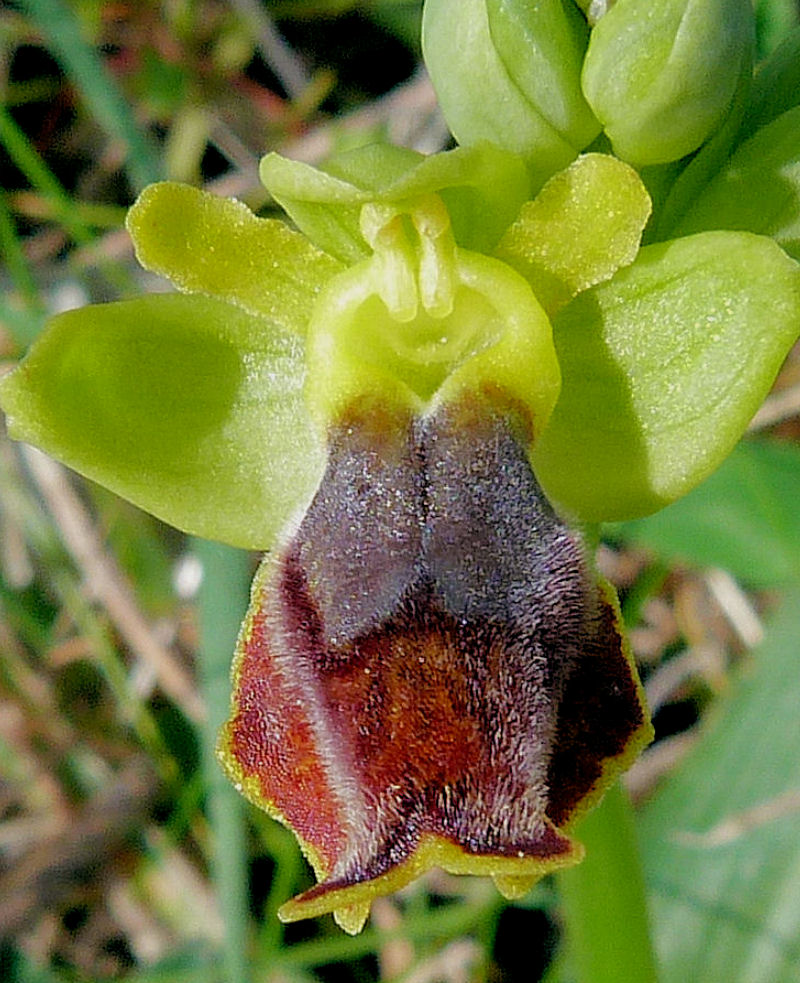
430 673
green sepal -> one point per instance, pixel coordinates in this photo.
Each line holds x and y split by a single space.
479 98
661 76
663 367
186 406
322 205
483 188
584 224
372 166
759 188
216 246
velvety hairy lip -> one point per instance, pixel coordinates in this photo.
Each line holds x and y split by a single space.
430 673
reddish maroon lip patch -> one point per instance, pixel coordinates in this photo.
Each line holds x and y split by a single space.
430 673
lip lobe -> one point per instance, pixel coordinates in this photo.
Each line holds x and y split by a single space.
431 672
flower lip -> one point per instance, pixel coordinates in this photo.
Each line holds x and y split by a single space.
429 674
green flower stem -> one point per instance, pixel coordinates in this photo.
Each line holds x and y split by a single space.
603 900
222 600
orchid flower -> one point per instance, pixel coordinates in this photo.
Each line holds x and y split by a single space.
421 402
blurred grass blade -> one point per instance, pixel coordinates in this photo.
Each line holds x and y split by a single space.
52 201
24 155
18 267
721 843
604 902
222 602
193 964
448 921
61 29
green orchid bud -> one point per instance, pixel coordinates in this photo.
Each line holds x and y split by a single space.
661 75
508 71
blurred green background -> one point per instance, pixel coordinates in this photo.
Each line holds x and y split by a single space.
124 854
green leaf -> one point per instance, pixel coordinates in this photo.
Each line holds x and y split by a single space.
759 188
187 406
217 247
720 844
663 367
482 186
744 518
584 224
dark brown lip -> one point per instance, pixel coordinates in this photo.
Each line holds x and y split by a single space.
432 655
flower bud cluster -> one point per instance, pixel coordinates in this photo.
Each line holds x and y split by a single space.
543 79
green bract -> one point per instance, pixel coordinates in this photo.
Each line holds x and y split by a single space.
660 76
758 189
776 86
508 71
211 410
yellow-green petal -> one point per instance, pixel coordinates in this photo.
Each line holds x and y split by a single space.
218 247
584 224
